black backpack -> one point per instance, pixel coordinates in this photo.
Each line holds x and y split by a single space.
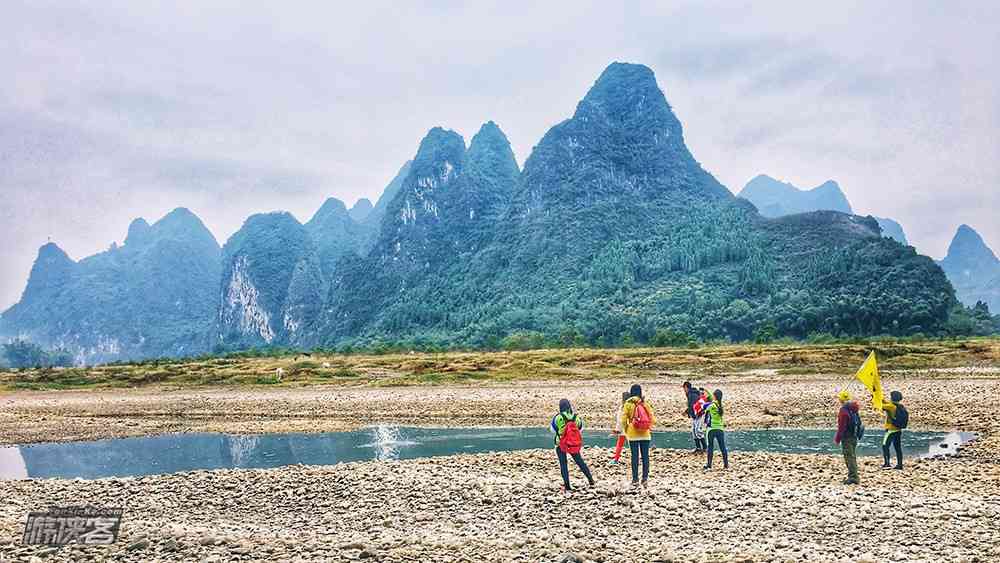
902 418
856 426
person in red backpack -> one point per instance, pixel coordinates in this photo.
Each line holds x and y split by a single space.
568 426
637 419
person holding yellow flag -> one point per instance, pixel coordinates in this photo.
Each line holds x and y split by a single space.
896 419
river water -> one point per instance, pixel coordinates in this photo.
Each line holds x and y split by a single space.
171 453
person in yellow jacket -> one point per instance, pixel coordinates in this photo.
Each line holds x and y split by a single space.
637 419
893 438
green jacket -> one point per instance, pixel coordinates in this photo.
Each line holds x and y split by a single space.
714 417
559 423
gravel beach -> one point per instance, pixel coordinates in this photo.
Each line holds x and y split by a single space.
508 507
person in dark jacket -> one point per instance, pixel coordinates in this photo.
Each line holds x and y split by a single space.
846 436
893 434
697 433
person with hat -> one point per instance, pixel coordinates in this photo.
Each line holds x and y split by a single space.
848 429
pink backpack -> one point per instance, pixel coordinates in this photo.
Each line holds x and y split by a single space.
640 417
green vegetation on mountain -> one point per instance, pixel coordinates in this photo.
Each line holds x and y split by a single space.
154 295
611 235
774 198
614 234
334 233
272 282
20 354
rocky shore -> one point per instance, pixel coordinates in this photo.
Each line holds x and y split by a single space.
508 507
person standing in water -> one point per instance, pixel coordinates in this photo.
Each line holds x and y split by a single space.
637 419
848 429
716 429
569 441
896 419
620 443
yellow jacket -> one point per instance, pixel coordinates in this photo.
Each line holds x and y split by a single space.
890 413
628 409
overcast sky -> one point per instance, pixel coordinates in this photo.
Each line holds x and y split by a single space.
114 110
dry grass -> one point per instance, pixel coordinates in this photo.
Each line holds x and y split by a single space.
561 364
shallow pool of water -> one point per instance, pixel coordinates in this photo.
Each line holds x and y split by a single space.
170 453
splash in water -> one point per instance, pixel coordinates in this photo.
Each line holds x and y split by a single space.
240 448
386 441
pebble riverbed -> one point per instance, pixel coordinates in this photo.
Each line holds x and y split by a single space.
508 506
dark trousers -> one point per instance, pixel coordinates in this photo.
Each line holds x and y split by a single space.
639 448
895 440
720 437
849 447
564 468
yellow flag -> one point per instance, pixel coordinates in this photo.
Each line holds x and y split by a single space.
868 375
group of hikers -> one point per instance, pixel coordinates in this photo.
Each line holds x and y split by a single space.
634 421
850 429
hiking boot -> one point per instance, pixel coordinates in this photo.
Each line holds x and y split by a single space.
645 485
898 467
707 468
886 466
593 483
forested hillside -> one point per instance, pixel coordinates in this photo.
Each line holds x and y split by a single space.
154 295
614 233
611 234
774 198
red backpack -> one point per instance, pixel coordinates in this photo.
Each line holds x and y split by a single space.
640 417
571 441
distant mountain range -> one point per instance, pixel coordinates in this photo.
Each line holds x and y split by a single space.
973 269
774 198
971 266
612 233
155 295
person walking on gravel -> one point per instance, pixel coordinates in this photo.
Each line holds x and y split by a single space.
637 419
849 430
567 426
896 419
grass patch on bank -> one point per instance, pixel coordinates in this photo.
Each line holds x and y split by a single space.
478 367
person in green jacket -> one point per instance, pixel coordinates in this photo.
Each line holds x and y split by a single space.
559 425
716 429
